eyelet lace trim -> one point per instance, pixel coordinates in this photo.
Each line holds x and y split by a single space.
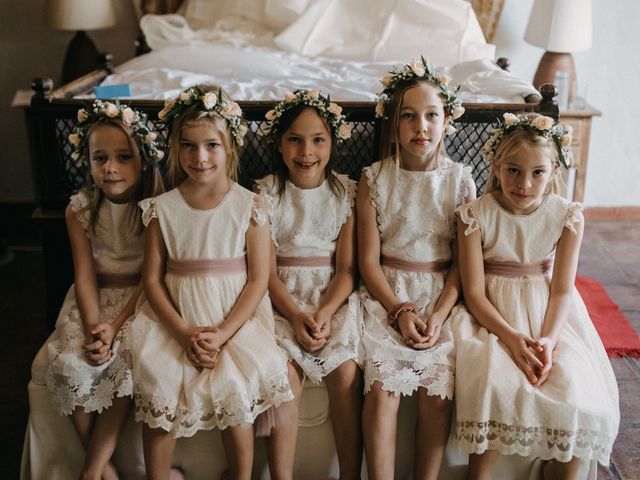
149 210
260 209
374 195
468 217
543 442
573 216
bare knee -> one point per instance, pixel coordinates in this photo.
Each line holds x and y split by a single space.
434 404
346 377
379 399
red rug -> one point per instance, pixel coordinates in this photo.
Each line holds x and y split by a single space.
618 337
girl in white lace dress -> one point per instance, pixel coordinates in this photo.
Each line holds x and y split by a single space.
406 220
532 375
89 364
313 269
205 352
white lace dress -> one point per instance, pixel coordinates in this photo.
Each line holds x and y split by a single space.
575 412
72 380
416 220
251 373
307 223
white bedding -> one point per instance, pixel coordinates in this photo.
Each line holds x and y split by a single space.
341 47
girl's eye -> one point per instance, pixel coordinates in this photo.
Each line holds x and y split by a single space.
185 145
318 140
513 171
433 114
99 158
407 115
125 157
214 145
538 173
293 139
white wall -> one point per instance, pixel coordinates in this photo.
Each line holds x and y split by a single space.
611 72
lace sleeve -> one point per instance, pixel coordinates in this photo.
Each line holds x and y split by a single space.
80 205
467 191
468 216
260 209
149 210
573 216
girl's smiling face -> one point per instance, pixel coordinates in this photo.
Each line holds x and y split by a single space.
115 166
306 149
523 180
202 153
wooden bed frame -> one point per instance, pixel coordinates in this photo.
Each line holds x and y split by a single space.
51 116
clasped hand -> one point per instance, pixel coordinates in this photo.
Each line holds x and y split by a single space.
533 357
98 347
202 346
418 334
311 332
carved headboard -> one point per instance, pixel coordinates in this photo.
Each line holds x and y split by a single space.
487 11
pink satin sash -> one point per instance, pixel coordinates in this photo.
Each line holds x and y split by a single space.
118 280
305 261
418 267
215 266
515 269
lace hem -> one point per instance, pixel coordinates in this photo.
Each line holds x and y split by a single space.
149 210
468 217
231 410
80 206
260 209
573 216
544 442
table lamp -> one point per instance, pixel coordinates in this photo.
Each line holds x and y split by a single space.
560 27
79 15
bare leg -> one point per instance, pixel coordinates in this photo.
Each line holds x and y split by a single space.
83 423
573 470
481 465
432 433
345 403
103 440
379 426
158 449
238 446
281 444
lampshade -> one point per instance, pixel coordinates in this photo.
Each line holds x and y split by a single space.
560 25
75 15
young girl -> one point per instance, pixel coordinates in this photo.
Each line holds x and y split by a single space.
89 366
406 225
533 377
206 355
313 270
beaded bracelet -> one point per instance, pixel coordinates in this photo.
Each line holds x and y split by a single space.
394 313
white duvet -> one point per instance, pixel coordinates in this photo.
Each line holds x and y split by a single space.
341 47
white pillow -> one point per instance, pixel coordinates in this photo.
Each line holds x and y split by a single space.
271 14
444 31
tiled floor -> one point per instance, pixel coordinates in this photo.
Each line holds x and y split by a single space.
610 253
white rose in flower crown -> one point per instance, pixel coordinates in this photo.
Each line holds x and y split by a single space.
449 129
542 122
344 131
313 94
335 108
110 110
128 116
75 156
457 112
566 140
242 130
150 137
380 109
74 139
386 81
159 155
289 96
184 96
417 67
82 115
444 79
231 109
510 119
209 100
271 115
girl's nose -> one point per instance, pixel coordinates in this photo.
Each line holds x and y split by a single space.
110 166
421 124
202 155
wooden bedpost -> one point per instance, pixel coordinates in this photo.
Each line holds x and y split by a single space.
549 104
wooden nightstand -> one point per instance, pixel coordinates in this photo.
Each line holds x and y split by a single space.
580 120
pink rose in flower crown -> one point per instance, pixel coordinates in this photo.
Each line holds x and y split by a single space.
110 110
128 116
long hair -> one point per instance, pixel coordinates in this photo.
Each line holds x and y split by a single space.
516 142
193 117
280 169
150 183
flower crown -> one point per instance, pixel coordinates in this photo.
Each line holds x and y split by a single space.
542 125
332 113
196 98
421 69
100 110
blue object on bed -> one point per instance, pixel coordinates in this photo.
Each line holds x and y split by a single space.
113 91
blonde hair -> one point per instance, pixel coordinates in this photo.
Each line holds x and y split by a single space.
194 117
513 144
150 178
389 148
